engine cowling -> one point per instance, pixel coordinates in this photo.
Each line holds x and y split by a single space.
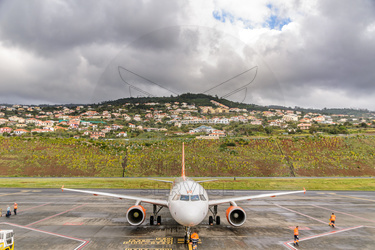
136 215
236 216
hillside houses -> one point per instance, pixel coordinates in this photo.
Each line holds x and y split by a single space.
171 118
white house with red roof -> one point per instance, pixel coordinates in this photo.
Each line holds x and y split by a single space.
122 134
5 130
319 118
304 126
20 131
3 120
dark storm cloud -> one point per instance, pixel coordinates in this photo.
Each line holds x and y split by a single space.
51 26
60 48
196 60
334 50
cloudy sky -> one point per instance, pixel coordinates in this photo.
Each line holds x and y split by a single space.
294 53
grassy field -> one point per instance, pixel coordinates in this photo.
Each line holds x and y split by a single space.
354 184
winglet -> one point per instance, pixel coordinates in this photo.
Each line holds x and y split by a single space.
62 188
304 190
183 161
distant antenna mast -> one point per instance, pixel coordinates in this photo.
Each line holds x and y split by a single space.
183 161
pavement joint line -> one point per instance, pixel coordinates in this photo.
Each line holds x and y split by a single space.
343 213
288 243
24 191
347 196
23 210
302 214
55 215
83 242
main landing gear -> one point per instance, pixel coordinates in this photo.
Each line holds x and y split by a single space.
214 216
156 209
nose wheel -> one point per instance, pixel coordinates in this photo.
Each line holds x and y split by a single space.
187 235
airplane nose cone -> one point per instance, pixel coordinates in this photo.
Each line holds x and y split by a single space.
190 214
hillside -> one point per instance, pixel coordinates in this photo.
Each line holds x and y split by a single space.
205 100
268 157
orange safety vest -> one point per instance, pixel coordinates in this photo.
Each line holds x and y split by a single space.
15 205
333 217
296 231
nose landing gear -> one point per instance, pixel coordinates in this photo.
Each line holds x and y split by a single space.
187 235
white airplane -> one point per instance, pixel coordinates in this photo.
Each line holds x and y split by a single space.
188 203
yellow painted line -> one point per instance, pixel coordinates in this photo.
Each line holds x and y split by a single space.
156 241
190 247
354 197
148 249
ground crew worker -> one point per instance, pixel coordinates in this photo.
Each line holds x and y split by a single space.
194 240
332 220
15 206
296 239
8 212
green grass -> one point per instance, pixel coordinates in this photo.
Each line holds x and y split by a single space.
352 184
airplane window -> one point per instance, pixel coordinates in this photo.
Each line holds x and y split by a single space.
184 198
195 198
202 197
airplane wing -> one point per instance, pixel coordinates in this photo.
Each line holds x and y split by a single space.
160 180
243 198
163 203
206 180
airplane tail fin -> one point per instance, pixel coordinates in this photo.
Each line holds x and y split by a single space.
183 161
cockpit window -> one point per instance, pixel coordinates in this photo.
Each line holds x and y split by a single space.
194 198
202 197
184 198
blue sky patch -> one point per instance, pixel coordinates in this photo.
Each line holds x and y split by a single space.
223 16
275 23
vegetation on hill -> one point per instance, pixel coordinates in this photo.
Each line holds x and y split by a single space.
205 100
307 156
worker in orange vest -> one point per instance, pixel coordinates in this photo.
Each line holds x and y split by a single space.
194 240
332 220
15 206
296 239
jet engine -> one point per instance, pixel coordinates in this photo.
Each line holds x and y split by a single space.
236 216
136 215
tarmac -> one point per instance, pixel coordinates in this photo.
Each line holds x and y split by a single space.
51 219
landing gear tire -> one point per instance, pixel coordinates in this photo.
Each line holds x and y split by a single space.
158 220
217 220
210 220
151 220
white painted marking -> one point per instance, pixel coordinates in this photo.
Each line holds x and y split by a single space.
288 243
343 213
83 242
